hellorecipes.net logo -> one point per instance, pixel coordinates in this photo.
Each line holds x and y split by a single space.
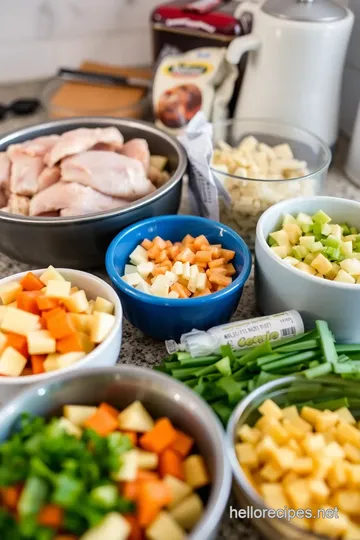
283 513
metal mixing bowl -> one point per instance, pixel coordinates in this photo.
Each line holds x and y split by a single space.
81 242
161 395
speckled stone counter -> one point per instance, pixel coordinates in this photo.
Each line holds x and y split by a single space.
136 348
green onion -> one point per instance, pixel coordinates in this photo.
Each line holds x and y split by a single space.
296 347
290 360
33 496
326 342
332 405
224 366
321 369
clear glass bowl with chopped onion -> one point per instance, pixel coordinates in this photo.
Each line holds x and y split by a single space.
262 162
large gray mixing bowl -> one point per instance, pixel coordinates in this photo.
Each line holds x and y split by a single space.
161 395
81 242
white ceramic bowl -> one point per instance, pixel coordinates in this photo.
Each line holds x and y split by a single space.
280 287
105 354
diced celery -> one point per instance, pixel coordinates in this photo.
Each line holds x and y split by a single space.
288 218
304 221
326 229
321 217
316 246
272 242
345 228
300 252
332 241
317 228
332 253
353 230
307 241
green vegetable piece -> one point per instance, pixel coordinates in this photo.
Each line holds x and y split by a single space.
332 253
332 405
345 367
318 371
226 350
222 410
316 247
300 252
331 241
290 360
200 361
317 229
255 353
182 374
191 383
270 358
105 496
272 242
264 378
233 389
353 230
172 365
181 356
304 221
301 346
327 343
321 217
33 496
347 348
67 491
207 370
224 366
345 228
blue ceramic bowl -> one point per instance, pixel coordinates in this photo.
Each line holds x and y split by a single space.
163 318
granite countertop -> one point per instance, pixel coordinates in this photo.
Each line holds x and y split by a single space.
136 348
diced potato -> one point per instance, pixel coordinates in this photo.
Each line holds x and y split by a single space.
310 415
345 415
313 443
291 260
348 501
344 277
51 275
334 450
321 264
293 231
273 427
284 458
90 309
146 460
41 342
139 255
77 302
196 474
303 466
352 531
351 266
282 251
101 326
159 162
281 237
248 434
8 292
274 495
322 466
352 453
20 322
3 310
66 360
3 341
130 269
353 474
246 455
271 472
164 527
330 526
58 289
266 448
82 322
337 476
133 280
290 412
298 493
101 304
179 490
69 427
188 512
318 489
348 433
128 467
78 414
12 362
297 427
114 526
135 418
271 409
51 363
86 342
306 268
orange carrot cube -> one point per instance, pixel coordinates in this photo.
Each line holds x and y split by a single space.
31 283
182 444
173 252
219 279
216 263
154 252
171 463
102 422
203 256
168 243
46 303
182 291
69 343
186 256
161 257
159 437
227 254
147 244
108 408
37 363
26 300
60 325
159 242
200 241
17 342
230 269
159 270
188 239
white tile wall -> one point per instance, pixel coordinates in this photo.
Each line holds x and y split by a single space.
37 36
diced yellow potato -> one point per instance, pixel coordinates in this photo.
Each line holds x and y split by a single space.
289 478
321 264
164 527
8 292
274 495
297 427
159 162
306 268
303 466
353 474
337 476
90 309
147 460
128 468
246 455
272 427
78 414
290 412
114 526
41 342
69 427
247 434
318 489
51 274
135 418
281 237
282 251
292 444
322 466
330 526
348 433
309 414
196 474
188 512
298 493
334 451
101 304
82 322
101 326
51 363
271 409
348 501
330 435
266 448
284 458
179 490
334 271
19 321
3 310
345 415
293 231
58 289
325 421
66 360
271 472
344 277
13 304
12 362
3 341
351 453
76 302
87 344
313 443
352 531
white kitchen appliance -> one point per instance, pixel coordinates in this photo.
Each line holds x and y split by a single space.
352 165
297 51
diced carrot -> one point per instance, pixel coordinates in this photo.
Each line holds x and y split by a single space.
205 247
161 257
130 490
219 270
178 244
170 462
26 372
184 282
200 241
220 288
202 265
26 300
54 311
147 244
74 290
31 283
230 269
60 325
227 254
208 285
17 342
10 496
203 256
188 239
168 243
37 363
71 343
51 515
132 436
154 252
160 437
219 279
145 476
216 263
152 497
159 242
159 270
182 291
182 444
173 252
167 263
186 256
111 410
43 323
201 269
102 422
46 303
135 532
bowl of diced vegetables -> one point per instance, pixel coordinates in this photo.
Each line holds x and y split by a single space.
176 273
294 450
112 453
261 162
55 319
308 258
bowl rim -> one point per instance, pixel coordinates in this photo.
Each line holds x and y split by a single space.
118 311
281 207
96 121
273 122
238 282
220 489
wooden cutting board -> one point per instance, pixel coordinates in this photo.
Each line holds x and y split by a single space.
78 99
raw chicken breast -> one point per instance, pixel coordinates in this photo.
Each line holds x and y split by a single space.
25 172
35 147
109 173
18 204
4 170
74 198
137 149
81 139
48 177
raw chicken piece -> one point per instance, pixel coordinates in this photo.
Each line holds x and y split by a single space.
137 149
78 140
35 147
4 169
18 204
25 172
109 173
48 177
74 198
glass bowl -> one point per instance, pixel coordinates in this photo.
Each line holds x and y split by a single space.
250 197
285 391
